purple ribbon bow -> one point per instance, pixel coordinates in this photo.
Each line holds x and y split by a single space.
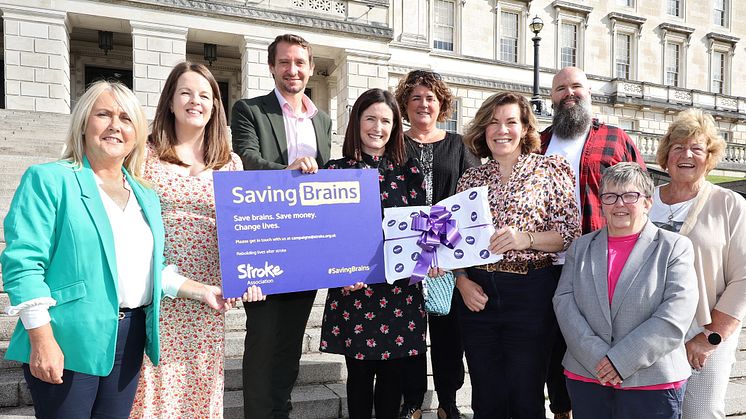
437 228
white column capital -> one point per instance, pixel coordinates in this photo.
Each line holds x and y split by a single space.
155 29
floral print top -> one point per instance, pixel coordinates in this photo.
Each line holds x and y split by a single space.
538 197
383 321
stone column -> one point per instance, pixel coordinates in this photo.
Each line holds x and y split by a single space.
37 59
155 50
356 72
256 79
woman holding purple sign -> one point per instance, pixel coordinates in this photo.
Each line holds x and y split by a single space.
188 143
506 313
377 327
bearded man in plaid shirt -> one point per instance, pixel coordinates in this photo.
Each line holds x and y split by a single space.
591 147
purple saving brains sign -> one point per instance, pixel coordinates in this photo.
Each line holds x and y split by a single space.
287 231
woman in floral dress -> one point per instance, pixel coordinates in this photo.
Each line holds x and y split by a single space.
189 141
377 327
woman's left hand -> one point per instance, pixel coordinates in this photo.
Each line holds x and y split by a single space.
698 349
508 238
252 294
606 372
356 286
213 297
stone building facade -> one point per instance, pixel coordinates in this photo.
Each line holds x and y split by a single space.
647 59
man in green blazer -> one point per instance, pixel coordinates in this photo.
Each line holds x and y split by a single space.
282 130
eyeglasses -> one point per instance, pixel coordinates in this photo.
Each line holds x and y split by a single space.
414 75
610 198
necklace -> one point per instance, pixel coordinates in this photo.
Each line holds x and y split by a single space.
672 212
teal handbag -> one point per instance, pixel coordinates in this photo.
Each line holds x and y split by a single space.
438 293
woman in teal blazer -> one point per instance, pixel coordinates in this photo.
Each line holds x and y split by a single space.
83 264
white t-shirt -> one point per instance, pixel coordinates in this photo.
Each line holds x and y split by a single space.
668 217
571 149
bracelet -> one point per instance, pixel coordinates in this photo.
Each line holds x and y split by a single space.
530 240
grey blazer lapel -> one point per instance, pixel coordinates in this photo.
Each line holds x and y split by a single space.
599 269
640 253
274 115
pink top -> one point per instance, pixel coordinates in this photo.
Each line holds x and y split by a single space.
299 132
619 250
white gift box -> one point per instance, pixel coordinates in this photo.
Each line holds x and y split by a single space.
471 218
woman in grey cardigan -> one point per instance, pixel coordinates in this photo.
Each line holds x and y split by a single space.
625 300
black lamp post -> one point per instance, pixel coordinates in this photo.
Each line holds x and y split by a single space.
536 25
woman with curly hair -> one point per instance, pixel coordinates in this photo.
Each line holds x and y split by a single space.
426 100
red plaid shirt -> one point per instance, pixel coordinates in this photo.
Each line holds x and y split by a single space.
605 146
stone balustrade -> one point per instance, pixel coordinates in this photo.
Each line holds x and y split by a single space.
734 158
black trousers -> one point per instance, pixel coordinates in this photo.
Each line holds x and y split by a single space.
559 400
89 396
275 330
594 401
446 355
363 394
508 343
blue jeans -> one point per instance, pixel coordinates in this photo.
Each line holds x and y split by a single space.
90 396
509 342
594 401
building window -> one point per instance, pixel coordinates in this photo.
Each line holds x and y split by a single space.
675 40
509 37
625 34
451 124
718 72
623 55
721 48
569 47
444 26
673 7
571 21
673 64
720 13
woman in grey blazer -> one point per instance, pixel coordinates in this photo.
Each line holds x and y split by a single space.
625 300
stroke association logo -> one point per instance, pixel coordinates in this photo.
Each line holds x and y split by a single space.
259 274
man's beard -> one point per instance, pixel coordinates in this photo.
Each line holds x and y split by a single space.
574 121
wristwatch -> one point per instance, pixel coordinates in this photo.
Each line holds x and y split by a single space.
713 337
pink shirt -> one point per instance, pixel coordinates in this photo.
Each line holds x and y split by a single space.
299 133
619 250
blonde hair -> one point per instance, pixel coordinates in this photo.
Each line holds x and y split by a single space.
692 123
75 140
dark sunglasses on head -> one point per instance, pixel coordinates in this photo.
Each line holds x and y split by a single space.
413 75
